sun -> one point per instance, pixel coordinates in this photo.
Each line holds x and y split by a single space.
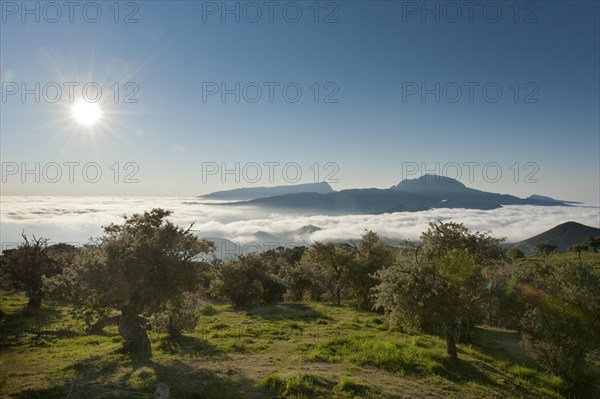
86 113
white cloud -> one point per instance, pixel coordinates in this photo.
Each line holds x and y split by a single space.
75 219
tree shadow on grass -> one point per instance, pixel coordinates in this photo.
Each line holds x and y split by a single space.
189 345
55 392
461 371
142 374
503 345
284 311
28 320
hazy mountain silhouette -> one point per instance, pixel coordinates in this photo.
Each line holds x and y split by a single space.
549 199
250 193
419 194
431 184
563 236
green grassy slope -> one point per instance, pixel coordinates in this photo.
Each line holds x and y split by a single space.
286 350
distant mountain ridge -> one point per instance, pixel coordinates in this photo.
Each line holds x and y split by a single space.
410 195
430 183
563 236
548 199
249 193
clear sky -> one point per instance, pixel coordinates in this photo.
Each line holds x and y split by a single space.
401 87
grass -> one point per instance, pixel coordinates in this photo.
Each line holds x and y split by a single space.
280 351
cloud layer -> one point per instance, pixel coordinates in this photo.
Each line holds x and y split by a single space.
76 219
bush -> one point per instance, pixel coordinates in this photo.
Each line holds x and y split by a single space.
177 315
561 325
247 280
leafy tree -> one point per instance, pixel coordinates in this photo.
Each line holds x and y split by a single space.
247 280
442 288
579 248
544 248
370 255
285 255
515 253
562 324
593 243
137 267
331 263
298 280
505 306
23 268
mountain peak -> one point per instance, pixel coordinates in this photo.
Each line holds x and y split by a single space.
430 183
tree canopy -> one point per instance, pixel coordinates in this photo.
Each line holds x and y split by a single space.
136 268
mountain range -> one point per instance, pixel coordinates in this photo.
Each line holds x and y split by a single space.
410 195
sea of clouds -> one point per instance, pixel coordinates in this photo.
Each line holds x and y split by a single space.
77 219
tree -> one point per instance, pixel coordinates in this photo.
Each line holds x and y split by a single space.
544 248
247 280
442 288
331 264
515 253
370 255
593 243
562 323
578 248
299 280
24 268
137 267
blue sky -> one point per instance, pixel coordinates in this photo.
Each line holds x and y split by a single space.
367 61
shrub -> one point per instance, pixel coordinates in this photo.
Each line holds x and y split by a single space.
177 315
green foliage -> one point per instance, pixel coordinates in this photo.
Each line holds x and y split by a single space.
515 253
562 323
247 280
25 267
442 287
137 268
370 255
300 282
593 243
457 266
176 315
544 248
330 262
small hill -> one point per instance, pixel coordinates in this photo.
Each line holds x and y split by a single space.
249 193
563 236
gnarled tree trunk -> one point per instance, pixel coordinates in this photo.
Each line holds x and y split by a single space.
450 344
34 301
136 338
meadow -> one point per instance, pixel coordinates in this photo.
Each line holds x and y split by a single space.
288 350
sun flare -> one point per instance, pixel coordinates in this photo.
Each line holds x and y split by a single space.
86 113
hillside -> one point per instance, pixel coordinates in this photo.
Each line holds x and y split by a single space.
288 350
563 236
